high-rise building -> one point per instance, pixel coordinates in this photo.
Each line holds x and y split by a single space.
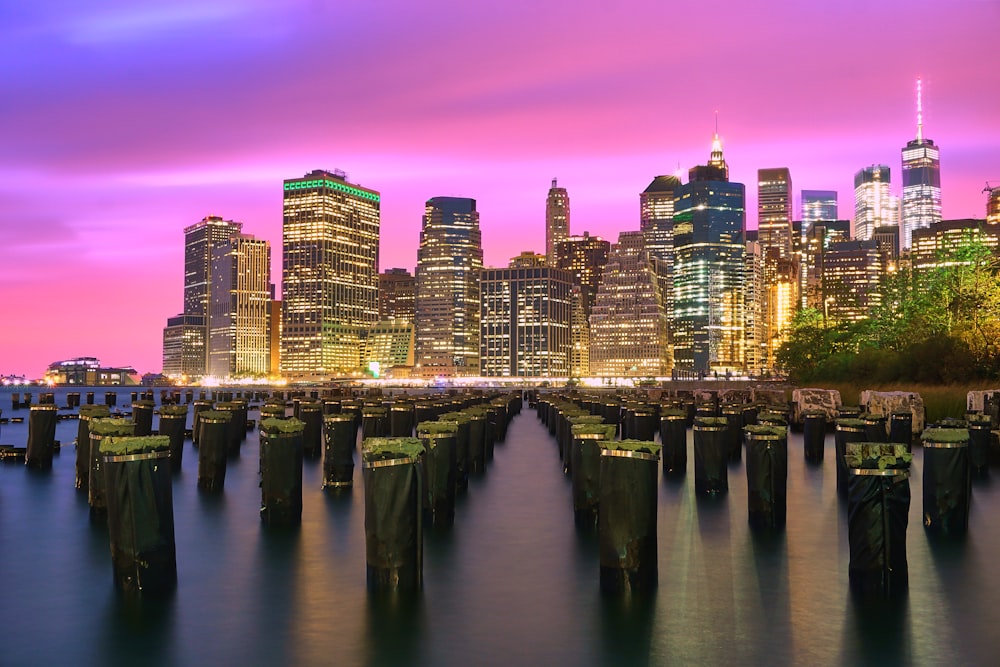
388 346
781 301
449 262
921 180
525 320
656 221
817 241
184 347
397 290
817 205
239 343
628 324
754 309
556 219
851 280
874 204
585 257
774 211
579 336
929 243
330 239
993 205
709 222
274 335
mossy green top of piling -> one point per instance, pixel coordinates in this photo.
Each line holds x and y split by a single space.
123 445
646 446
275 426
871 417
227 406
112 426
850 422
145 403
814 413
224 415
458 417
436 427
711 421
586 419
772 417
979 418
311 406
94 411
173 410
272 410
373 412
339 417
877 455
606 431
766 429
945 435
951 422
673 412
381 449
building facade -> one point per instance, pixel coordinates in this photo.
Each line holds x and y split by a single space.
921 181
628 324
525 320
449 264
930 243
709 223
556 219
874 205
817 205
239 341
184 348
330 249
774 211
851 280
397 293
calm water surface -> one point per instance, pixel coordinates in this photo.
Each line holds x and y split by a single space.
513 582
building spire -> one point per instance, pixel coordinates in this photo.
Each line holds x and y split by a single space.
717 159
920 112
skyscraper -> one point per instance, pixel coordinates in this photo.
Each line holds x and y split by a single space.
330 240
709 224
817 205
239 308
397 289
628 325
850 280
656 221
874 205
992 205
556 219
449 262
774 211
921 180
584 257
200 240
525 326
184 347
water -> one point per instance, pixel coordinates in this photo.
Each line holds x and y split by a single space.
513 582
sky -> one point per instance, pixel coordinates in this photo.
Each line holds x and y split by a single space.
123 122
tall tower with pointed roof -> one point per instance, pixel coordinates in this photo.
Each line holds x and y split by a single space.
556 219
921 179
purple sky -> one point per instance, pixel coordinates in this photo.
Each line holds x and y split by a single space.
124 122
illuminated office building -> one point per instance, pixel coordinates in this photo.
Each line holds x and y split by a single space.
814 247
579 336
921 181
774 211
993 205
754 309
851 280
781 302
449 263
929 243
628 324
584 257
239 342
556 219
874 205
330 239
388 345
184 347
817 205
397 290
525 320
709 222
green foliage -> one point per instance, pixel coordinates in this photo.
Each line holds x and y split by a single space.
935 325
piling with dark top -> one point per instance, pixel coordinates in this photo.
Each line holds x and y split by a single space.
813 435
213 439
901 428
733 414
197 408
281 472
673 437
878 506
312 436
767 475
100 429
979 444
393 513
41 436
462 435
142 416
875 430
947 485
140 514
87 412
846 431
173 420
711 476
338 460
374 422
626 529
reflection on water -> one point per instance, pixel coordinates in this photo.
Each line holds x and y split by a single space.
514 581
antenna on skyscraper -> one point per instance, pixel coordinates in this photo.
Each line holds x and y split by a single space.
554 182
716 121
920 111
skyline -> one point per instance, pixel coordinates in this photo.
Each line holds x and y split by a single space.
164 114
